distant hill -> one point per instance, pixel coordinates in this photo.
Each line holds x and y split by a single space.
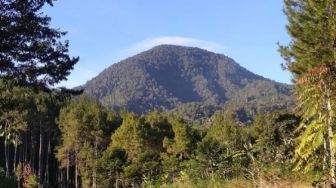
169 77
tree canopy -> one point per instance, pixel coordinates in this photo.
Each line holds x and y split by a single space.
311 57
31 52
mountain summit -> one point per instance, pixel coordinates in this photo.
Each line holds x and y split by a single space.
168 76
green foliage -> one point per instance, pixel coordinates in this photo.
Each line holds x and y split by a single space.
230 149
310 57
181 145
15 101
110 166
19 172
274 136
197 113
32 52
159 128
144 169
211 160
155 149
33 59
85 127
220 153
311 25
203 82
95 147
226 131
130 136
153 145
7 182
32 181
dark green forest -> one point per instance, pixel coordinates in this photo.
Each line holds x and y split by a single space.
59 137
79 143
170 77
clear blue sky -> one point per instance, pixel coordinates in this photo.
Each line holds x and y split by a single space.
106 31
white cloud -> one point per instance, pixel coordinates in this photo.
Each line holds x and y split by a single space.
173 40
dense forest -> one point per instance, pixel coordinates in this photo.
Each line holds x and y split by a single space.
78 143
58 137
167 77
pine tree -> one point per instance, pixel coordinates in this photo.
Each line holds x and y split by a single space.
130 136
311 57
31 52
83 124
110 166
181 144
14 102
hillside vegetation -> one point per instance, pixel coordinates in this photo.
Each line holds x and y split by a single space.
169 117
168 76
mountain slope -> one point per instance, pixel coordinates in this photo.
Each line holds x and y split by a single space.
168 76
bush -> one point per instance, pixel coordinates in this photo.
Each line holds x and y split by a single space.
8 182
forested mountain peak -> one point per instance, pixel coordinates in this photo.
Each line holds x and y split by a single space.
168 76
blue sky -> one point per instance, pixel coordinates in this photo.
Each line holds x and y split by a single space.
106 31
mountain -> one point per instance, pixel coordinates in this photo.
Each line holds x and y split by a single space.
169 77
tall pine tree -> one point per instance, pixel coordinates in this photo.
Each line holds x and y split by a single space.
311 57
31 52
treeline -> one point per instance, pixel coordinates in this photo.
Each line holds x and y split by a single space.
28 133
52 140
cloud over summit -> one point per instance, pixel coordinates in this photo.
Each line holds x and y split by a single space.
172 40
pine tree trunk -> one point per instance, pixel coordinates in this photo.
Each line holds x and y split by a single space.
6 158
40 168
20 163
46 176
19 181
68 169
331 145
76 172
60 178
15 156
94 181
25 147
116 181
32 153
326 152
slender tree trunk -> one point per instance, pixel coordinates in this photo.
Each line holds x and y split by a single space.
25 147
60 178
46 176
325 148
15 156
76 172
19 182
68 169
32 153
20 163
326 152
116 182
6 158
331 145
94 181
40 168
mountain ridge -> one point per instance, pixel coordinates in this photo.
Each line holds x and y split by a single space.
167 76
